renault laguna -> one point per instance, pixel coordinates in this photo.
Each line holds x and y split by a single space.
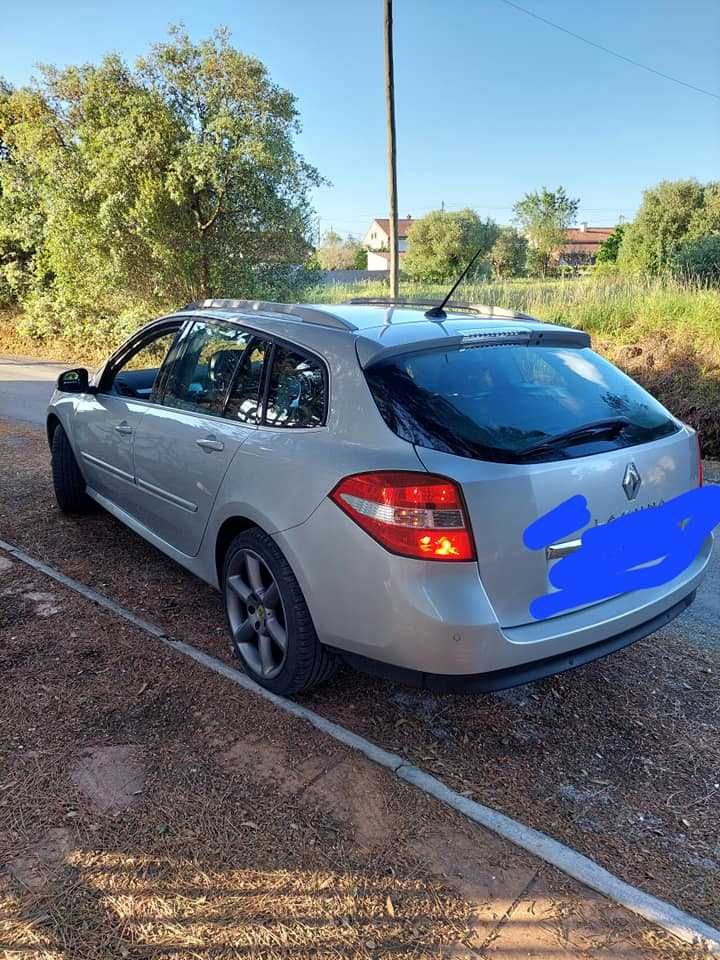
356 480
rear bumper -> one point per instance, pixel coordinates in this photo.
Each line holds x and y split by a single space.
436 618
524 673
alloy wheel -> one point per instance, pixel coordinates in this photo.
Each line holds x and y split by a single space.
256 614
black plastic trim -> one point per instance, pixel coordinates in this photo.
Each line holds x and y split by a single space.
524 673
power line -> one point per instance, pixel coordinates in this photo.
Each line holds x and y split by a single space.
613 53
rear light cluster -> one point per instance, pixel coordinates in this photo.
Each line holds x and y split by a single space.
413 514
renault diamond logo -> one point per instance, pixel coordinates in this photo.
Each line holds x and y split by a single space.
631 481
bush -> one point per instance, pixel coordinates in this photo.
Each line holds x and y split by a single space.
605 268
338 254
442 243
360 261
539 265
670 213
509 253
610 248
698 259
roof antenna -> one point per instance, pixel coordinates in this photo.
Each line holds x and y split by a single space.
438 313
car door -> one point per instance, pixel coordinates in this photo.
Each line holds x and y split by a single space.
104 422
184 446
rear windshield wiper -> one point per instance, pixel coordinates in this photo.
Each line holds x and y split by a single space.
590 431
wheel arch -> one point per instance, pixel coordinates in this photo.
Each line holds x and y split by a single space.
229 529
53 422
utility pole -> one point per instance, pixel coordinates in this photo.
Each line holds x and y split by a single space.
391 149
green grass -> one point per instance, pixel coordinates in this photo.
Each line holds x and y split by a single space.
663 332
624 309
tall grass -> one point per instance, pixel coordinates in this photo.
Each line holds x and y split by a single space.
664 332
621 308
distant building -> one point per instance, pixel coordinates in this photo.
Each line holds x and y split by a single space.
377 241
582 244
579 250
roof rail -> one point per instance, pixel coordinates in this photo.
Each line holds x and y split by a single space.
480 308
295 310
504 312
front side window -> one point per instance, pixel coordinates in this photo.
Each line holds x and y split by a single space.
138 374
296 392
207 357
515 404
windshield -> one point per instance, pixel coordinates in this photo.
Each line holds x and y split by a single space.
497 402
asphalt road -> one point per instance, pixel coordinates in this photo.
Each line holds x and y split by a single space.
27 385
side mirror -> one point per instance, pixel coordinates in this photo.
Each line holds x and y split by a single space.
74 381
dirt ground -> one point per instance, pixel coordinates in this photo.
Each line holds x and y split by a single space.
149 808
195 838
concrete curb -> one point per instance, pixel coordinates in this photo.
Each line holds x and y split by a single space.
82 589
682 925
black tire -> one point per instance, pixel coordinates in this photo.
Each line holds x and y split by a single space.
307 662
67 480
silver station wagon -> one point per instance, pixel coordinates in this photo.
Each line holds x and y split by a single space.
357 481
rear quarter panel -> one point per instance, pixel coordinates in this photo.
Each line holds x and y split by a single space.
279 476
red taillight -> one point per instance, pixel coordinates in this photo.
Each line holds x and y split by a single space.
413 514
699 455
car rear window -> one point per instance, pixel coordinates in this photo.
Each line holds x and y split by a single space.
496 402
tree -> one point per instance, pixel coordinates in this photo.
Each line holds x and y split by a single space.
609 249
338 254
662 222
360 258
168 182
20 221
706 221
544 218
237 168
508 255
440 244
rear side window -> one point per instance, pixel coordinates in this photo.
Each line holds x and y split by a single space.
206 359
244 398
297 390
497 402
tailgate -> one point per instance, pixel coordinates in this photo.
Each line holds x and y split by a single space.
503 499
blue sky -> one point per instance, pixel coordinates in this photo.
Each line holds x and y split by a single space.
490 103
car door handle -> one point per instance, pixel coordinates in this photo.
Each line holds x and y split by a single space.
210 443
123 427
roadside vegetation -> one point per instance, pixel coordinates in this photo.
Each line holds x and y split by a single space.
664 332
127 190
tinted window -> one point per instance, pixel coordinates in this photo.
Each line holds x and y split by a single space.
205 362
296 394
495 403
245 394
138 375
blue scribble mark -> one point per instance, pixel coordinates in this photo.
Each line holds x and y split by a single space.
640 550
571 515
